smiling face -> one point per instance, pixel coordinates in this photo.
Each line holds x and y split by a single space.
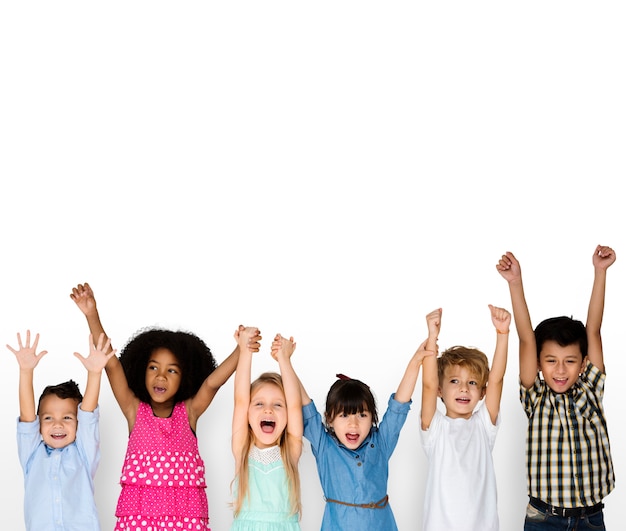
163 377
352 429
560 366
267 415
460 391
58 420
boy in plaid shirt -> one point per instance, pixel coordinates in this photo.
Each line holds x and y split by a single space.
568 457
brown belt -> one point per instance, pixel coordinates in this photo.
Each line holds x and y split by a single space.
380 504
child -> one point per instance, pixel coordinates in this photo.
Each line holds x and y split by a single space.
568 457
59 444
267 441
163 381
352 451
459 443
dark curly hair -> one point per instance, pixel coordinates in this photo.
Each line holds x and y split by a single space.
63 390
194 357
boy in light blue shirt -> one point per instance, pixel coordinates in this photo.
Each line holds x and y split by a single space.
59 443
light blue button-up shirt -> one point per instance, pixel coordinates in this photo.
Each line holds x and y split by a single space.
355 476
58 484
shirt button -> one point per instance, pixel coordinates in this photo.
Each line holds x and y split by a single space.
359 463
372 445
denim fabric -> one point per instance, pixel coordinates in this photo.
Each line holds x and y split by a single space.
537 520
355 476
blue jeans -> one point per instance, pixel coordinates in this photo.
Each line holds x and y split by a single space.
537 520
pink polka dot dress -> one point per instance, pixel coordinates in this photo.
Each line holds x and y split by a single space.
163 484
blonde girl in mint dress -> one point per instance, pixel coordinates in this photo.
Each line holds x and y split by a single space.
267 441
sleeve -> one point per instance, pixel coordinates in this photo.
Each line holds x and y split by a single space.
490 429
28 439
314 430
429 436
392 423
593 378
529 397
88 438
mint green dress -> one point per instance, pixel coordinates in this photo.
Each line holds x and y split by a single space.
267 506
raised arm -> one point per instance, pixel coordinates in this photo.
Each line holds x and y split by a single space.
282 349
501 320
96 361
430 375
221 374
27 358
510 269
409 379
84 298
603 258
243 336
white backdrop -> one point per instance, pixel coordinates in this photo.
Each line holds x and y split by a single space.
329 170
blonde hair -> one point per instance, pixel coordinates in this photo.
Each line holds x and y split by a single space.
472 359
291 467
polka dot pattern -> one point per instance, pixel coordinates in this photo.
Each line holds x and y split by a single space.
163 477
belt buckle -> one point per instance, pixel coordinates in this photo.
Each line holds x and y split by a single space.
557 511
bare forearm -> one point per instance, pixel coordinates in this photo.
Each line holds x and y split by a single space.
92 391
27 396
595 311
224 371
409 379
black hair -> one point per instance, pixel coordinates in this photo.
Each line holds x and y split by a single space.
350 396
564 331
194 357
63 390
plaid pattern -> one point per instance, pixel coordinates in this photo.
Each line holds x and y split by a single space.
568 457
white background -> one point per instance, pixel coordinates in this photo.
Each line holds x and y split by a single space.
327 170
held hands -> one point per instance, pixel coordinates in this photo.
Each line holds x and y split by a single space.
248 338
98 357
603 257
509 268
500 318
83 296
282 347
422 353
26 355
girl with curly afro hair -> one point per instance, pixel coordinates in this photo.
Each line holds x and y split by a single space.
163 381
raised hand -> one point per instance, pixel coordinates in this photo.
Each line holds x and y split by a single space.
98 357
248 338
26 355
282 346
603 257
500 318
433 321
83 296
509 267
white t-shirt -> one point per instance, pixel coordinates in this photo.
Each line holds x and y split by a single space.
461 492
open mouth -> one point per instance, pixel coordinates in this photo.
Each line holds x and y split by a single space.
159 390
463 400
57 436
352 437
267 426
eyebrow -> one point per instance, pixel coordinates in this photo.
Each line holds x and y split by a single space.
155 362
